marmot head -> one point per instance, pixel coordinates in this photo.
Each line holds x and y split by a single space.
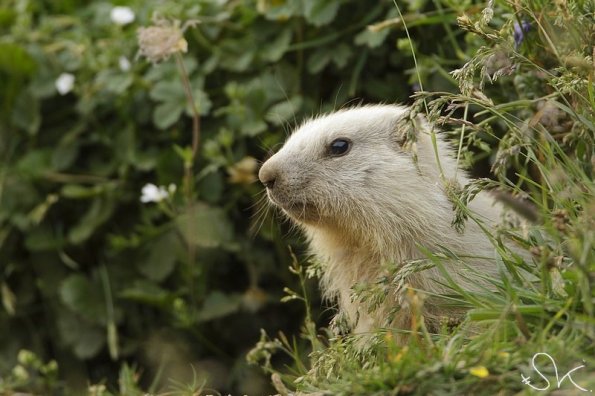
348 164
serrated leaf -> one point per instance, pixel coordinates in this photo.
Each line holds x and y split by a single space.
205 226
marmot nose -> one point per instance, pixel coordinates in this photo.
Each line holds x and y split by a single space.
267 175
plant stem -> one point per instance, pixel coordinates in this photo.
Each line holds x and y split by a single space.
190 99
189 172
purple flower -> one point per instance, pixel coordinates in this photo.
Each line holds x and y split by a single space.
519 32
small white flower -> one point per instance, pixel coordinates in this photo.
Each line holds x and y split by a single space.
152 193
124 63
122 15
64 83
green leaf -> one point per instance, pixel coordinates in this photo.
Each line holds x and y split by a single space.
282 112
280 10
211 187
321 12
167 91
84 298
35 163
166 114
147 292
318 60
277 48
201 101
115 82
205 226
101 209
76 191
371 38
218 305
65 154
41 238
26 113
341 55
85 339
161 258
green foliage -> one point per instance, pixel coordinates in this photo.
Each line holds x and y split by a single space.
92 278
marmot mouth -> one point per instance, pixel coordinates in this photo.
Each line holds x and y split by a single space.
298 210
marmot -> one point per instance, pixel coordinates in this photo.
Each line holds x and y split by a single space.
364 201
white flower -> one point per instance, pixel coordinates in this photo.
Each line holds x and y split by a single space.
64 83
121 15
124 63
152 193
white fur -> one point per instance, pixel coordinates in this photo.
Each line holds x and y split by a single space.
373 206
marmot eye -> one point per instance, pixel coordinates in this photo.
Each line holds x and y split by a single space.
339 147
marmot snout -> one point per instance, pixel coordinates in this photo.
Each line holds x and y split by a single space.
364 202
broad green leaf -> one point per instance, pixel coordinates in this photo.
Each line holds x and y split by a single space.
15 61
318 60
211 187
201 101
205 226
100 210
85 339
41 238
280 10
371 38
218 305
35 163
341 55
161 258
277 48
284 111
115 82
84 298
65 154
26 113
320 12
166 114
167 91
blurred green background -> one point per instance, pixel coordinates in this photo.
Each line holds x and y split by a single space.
178 289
